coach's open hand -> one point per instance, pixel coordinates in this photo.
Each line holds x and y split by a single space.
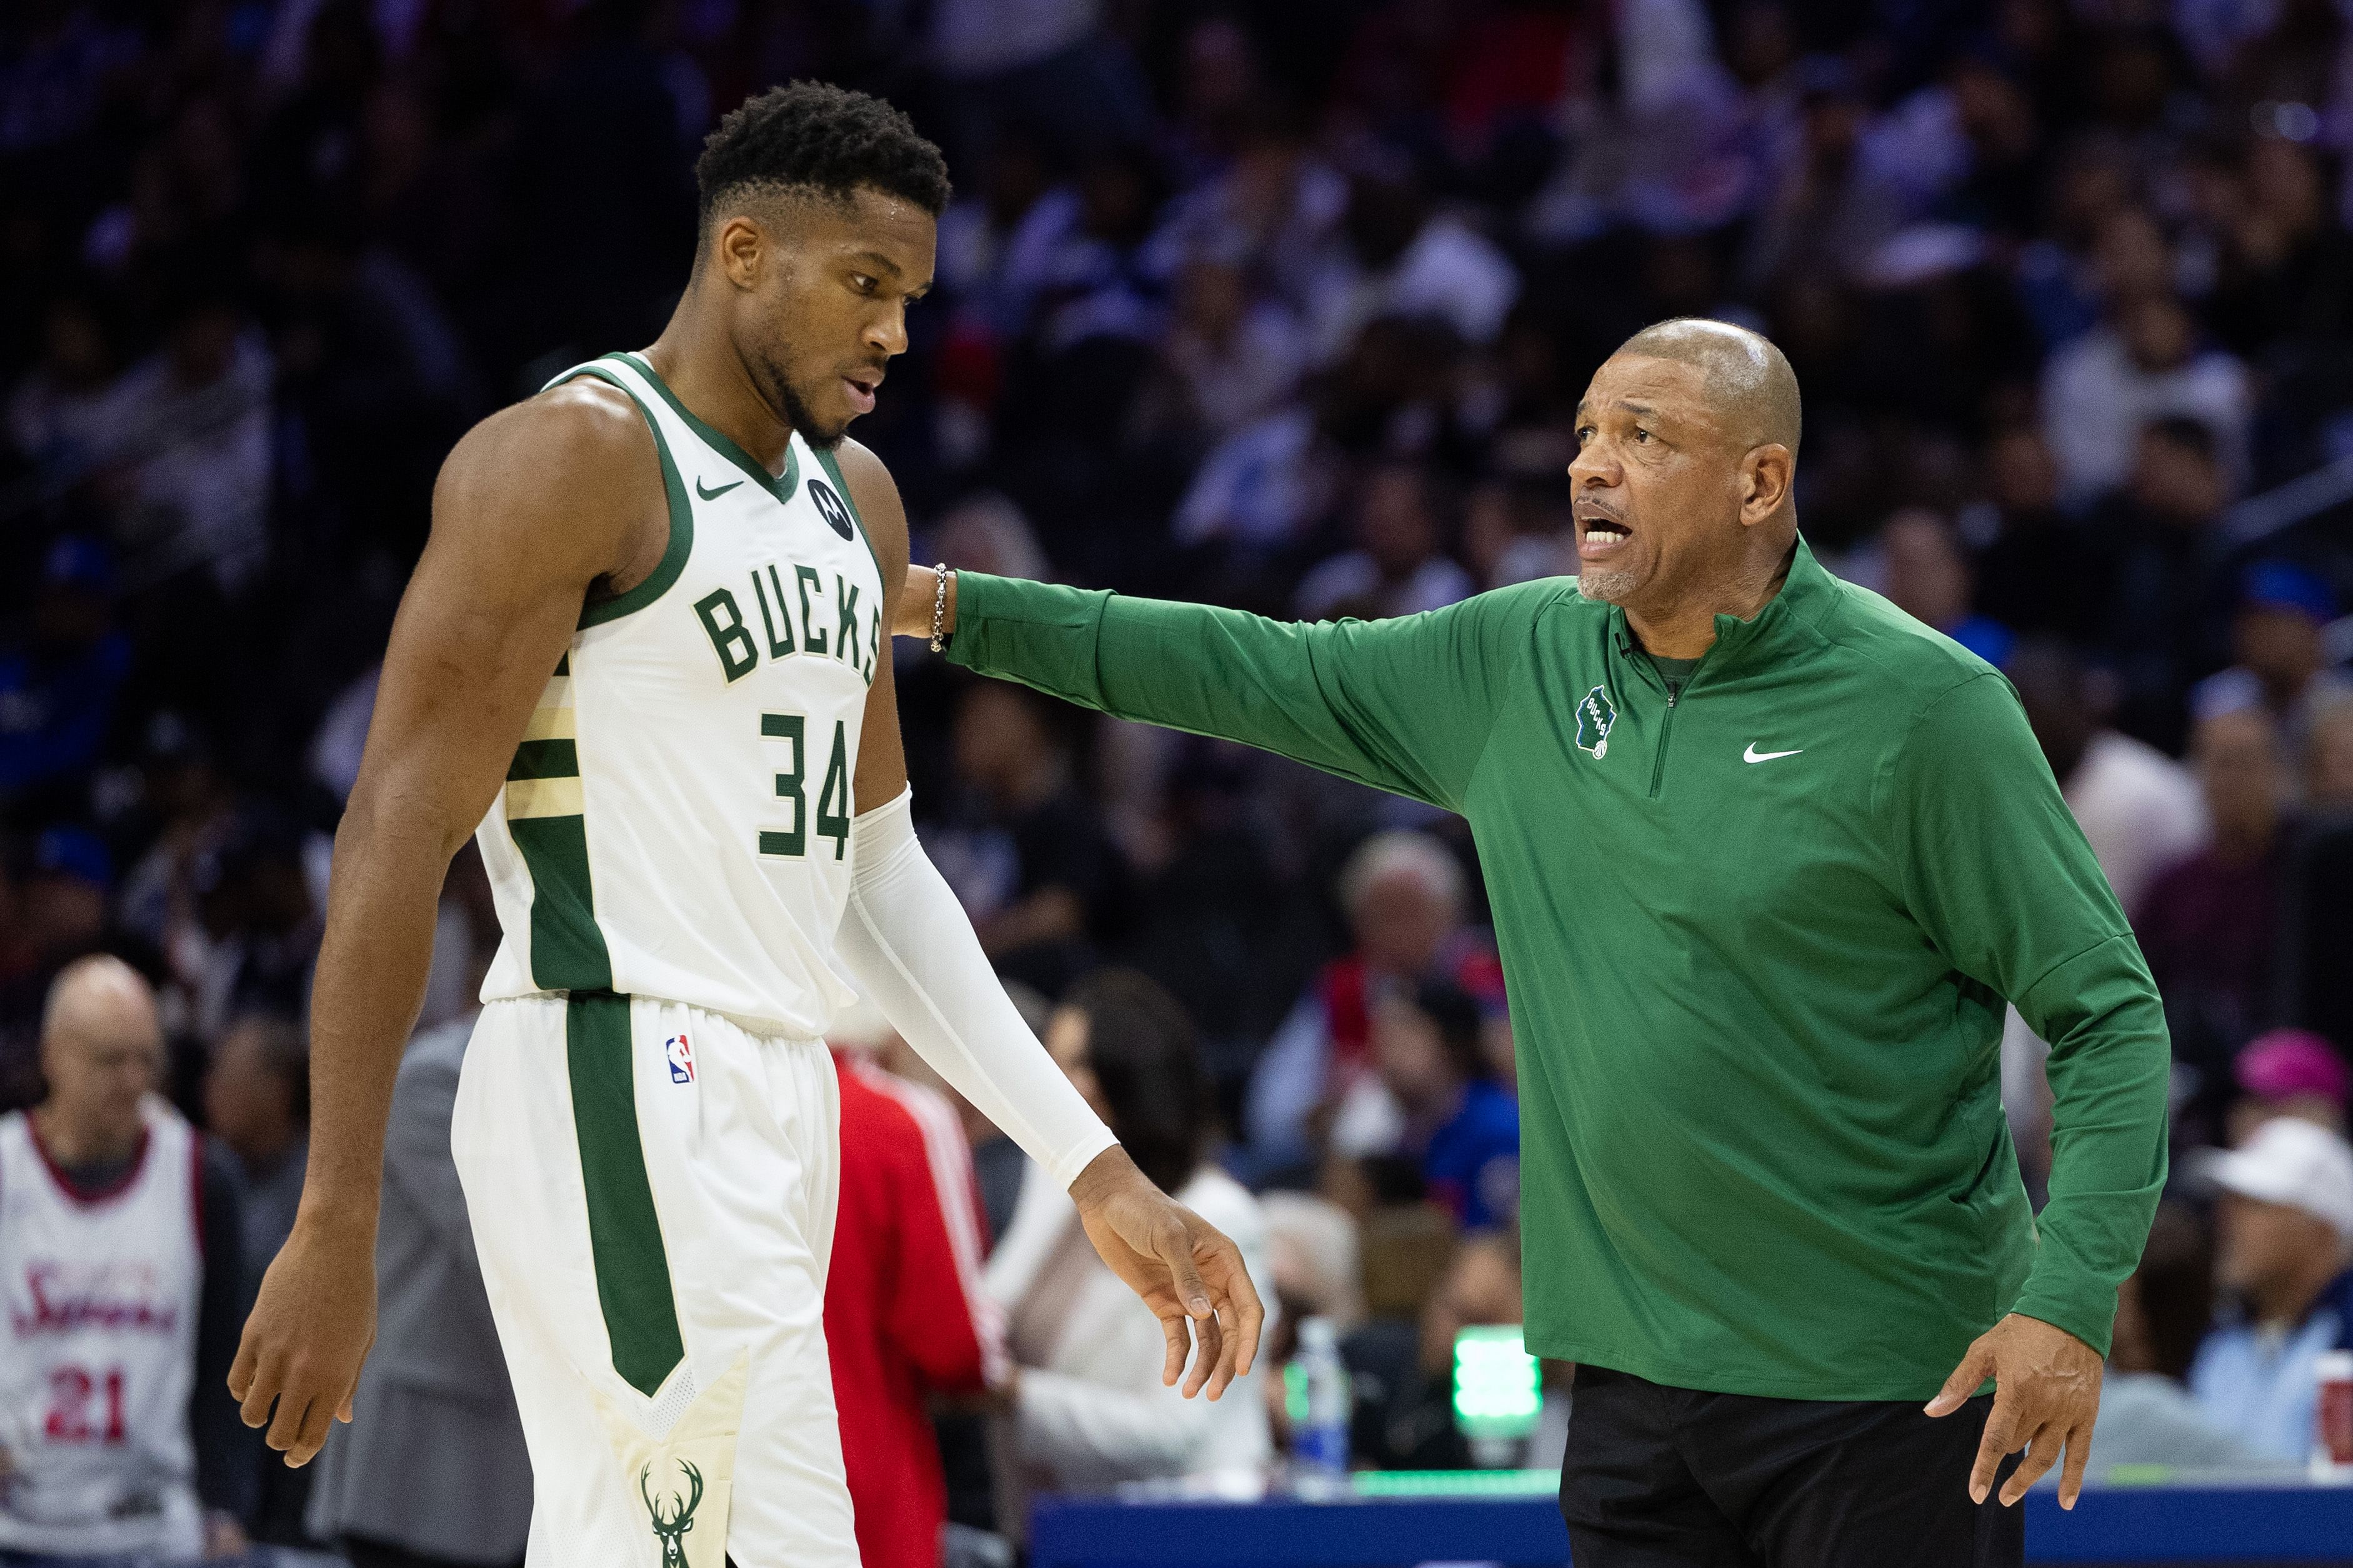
1183 1266
2046 1395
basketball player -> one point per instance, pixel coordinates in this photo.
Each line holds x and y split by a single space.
121 1267
645 652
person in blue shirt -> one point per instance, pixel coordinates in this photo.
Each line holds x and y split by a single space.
2285 1230
58 688
1463 1126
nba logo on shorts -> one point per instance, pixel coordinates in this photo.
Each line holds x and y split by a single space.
681 1058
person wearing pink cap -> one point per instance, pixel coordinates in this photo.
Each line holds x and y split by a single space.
2284 1220
2288 1072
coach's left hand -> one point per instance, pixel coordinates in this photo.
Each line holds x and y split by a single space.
2046 1395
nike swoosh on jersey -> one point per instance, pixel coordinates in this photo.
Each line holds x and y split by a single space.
712 495
1753 755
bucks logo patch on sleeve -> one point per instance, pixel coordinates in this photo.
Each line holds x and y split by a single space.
1594 717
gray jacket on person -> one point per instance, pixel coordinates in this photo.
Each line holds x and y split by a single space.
433 1460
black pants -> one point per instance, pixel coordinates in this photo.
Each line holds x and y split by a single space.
1668 1478
366 1554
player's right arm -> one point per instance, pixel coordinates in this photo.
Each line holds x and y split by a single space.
534 506
1403 705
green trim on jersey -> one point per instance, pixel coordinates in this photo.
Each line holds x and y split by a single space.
722 443
568 950
545 760
624 1235
681 513
833 466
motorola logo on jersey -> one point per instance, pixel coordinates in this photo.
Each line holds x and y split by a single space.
832 509
680 1056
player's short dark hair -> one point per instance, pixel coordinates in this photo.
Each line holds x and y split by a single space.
808 136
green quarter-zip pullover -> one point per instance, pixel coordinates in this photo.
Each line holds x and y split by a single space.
1757 931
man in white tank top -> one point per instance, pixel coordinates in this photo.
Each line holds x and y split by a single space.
119 1263
645 658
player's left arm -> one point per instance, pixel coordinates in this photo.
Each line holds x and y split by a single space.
911 945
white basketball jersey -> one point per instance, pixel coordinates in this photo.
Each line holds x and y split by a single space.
676 822
101 1344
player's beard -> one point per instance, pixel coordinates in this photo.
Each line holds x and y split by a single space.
790 406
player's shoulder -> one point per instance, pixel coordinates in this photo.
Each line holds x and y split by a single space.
584 433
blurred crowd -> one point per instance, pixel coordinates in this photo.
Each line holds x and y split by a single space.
1286 305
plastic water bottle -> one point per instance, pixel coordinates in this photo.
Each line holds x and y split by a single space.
1316 1389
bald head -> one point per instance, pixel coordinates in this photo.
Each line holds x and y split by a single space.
1748 380
102 1052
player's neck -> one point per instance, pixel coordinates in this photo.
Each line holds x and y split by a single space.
704 372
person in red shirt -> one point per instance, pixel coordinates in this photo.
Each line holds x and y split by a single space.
904 1316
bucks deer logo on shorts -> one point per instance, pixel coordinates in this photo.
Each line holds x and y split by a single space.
670 1528
1594 717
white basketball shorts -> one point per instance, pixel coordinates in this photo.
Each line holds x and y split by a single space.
652 1192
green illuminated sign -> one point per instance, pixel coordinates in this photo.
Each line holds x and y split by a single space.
1496 1390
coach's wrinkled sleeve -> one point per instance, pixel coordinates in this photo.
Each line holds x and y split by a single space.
1998 873
1402 705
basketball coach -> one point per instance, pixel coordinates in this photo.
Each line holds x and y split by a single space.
1766 857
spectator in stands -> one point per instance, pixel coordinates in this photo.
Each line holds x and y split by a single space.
1315 1270
1928 577
2045 574
56 411
1085 1402
2277 634
120 1260
2144 362
2139 809
1433 1099
65 894
257 1101
2163 1311
2286 1221
2287 1072
1402 1374
57 686
257 924
2209 922
2328 756
1396 568
905 1319
193 423
1026 851
1236 358
2168 614
1402 893
1404 257
433 1419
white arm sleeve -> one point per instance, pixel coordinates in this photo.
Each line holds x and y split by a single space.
908 941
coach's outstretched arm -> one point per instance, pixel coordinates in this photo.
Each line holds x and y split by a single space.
489 610
911 945
1403 705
